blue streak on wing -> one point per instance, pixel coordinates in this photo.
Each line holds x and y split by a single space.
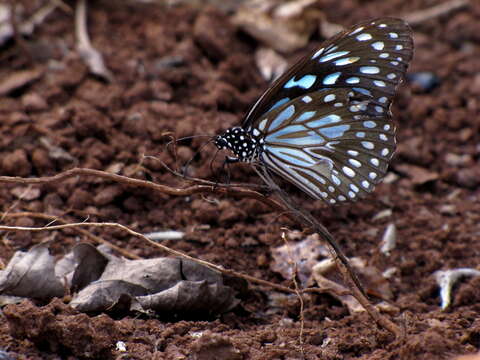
334 131
362 91
284 115
305 116
279 103
305 82
331 79
326 120
294 156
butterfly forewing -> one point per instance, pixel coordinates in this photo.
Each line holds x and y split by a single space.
370 59
325 125
333 146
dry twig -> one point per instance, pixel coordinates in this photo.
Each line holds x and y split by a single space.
92 57
56 219
293 264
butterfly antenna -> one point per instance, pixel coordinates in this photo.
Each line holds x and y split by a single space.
187 164
186 138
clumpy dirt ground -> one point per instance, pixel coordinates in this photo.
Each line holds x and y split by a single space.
187 70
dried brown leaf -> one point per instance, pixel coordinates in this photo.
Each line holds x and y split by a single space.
301 256
31 274
284 27
161 284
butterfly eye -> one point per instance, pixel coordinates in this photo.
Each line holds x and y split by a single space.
325 125
220 142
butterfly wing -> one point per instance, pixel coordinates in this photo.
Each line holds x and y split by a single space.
371 59
330 144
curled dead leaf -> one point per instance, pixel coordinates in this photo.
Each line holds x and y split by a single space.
105 282
283 26
31 274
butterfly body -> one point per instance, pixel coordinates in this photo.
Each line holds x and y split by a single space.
325 125
241 143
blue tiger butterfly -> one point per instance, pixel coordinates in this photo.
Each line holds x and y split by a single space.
325 125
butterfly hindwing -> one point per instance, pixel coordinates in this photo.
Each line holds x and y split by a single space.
371 59
329 143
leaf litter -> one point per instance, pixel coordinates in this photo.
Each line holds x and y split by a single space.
102 282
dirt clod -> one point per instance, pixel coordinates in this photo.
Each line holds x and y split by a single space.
58 328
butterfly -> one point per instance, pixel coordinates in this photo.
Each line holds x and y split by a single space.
325 125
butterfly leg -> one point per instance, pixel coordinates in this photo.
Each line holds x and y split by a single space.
225 167
272 186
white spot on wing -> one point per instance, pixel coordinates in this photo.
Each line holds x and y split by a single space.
336 180
329 97
378 45
368 145
353 80
364 37
355 163
369 70
348 171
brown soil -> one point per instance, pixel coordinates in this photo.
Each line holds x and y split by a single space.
189 71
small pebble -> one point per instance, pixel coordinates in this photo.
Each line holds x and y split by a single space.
34 102
424 81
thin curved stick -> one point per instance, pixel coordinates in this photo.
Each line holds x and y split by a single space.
52 219
207 187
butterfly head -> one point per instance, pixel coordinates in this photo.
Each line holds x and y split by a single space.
239 142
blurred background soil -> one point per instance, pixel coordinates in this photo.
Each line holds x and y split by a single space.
186 68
